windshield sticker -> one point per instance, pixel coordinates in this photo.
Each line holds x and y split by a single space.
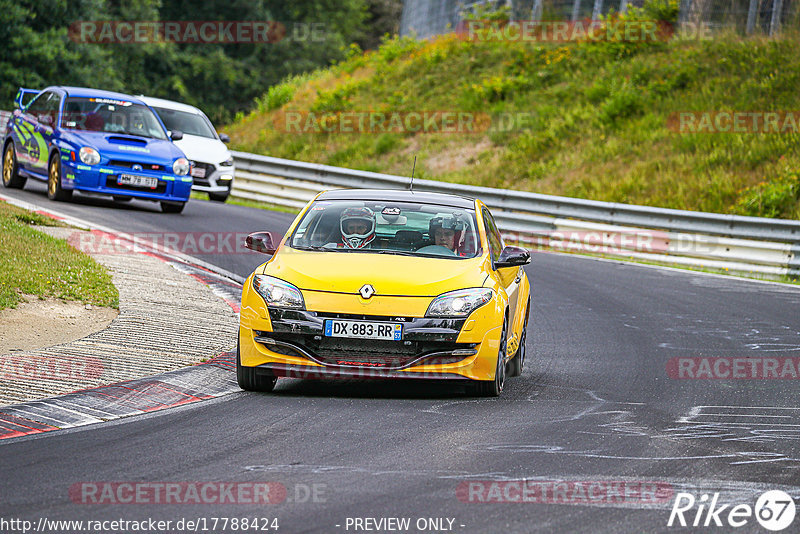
111 101
390 211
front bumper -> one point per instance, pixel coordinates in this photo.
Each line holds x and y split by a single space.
103 180
217 179
293 343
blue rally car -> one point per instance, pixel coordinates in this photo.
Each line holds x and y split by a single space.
94 141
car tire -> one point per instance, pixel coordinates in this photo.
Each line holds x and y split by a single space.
122 199
219 197
54 175
11 177
493 388
172 207
249 380
517 363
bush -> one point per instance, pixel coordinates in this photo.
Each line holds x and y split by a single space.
778 198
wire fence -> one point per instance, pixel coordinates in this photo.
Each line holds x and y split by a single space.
426 18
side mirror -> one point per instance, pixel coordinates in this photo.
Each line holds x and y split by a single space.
225 138
176 135
266 242
512 257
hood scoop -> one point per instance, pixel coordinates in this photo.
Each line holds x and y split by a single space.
131 141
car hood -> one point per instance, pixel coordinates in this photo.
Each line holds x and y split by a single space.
116 145
203 149
347 272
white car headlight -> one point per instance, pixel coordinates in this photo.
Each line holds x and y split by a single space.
278 293
89 155
181 167
228 162
459 303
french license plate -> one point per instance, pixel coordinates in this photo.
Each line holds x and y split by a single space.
364 330
198 172
137 181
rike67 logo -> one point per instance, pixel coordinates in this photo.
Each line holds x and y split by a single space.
774 510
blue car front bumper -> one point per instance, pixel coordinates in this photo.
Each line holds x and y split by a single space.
104 180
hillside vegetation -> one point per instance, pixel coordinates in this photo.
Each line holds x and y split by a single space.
597 118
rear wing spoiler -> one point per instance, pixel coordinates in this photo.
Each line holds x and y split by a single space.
24 97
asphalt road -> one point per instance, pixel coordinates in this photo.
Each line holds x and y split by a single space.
594 405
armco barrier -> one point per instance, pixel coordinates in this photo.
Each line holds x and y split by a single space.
769 247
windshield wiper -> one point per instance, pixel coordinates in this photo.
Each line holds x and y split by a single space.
316 248
397 252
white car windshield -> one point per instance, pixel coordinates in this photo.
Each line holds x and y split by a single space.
188 123
425 230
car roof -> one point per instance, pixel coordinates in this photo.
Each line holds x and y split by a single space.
399 195
86 92
169 104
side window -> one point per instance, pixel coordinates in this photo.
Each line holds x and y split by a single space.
37 105
45 108
493 235
51 110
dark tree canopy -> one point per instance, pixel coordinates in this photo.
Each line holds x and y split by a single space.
222 79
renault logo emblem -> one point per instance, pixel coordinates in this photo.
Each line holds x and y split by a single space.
367 291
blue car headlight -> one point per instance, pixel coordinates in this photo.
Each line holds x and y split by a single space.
89 156
181 167
278 293
459 303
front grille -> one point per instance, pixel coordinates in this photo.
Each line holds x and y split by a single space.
112 183
365 353
337 351
130 164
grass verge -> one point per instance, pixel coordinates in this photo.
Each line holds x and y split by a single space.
34 263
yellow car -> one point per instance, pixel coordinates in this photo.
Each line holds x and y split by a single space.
385 284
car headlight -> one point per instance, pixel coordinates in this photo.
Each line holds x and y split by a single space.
89 155
181 167
228 162
278 293
459 303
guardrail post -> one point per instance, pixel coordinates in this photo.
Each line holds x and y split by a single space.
775 24
751 16
598 9
576 10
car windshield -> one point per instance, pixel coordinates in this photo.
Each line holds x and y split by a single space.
188 123
111 116
388 227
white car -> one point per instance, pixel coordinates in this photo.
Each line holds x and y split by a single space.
212 163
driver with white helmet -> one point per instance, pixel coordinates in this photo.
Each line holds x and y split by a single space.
358 227
447 231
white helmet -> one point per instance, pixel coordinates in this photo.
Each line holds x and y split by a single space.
354 237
